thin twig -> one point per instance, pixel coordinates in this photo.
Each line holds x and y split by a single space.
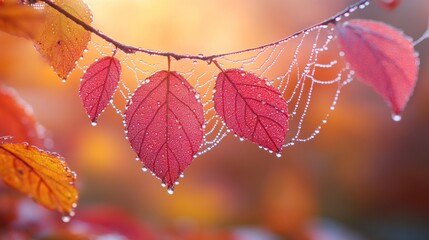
209 58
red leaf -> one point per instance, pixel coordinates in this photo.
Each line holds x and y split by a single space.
382 57
106 220
251 108
389 4
98 85
164 124
17 119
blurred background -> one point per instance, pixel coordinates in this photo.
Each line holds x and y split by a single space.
364 177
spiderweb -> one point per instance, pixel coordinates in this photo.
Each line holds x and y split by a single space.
307 68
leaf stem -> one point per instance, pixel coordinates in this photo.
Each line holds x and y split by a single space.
131 49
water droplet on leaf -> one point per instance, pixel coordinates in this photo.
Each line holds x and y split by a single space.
396 117
66 218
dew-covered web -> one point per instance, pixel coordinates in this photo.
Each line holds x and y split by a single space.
310 77
307 68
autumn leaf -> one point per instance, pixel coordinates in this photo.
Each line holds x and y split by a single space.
17 120
98 85
252 108
389 4
382 57
42 175
104 220
62 41
164 124
20 20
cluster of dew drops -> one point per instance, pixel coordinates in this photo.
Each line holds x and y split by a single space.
66 217
170 190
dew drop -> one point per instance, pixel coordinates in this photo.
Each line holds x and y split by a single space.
396 117
182 175
66 218
93 124
163 185
63 80
200 55
144 169
279 155
74 205
170 190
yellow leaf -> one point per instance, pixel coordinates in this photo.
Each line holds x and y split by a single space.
42 175
20 20
62 41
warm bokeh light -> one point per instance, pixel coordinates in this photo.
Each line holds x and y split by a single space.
363 177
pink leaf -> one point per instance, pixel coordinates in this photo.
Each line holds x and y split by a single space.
164 124
382 57
389 4
98 85
251 108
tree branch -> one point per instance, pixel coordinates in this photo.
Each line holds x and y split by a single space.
131 49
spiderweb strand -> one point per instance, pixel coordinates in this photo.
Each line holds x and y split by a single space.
306 67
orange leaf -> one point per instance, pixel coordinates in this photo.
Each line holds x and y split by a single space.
62 41
42 175
20 20
17 120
